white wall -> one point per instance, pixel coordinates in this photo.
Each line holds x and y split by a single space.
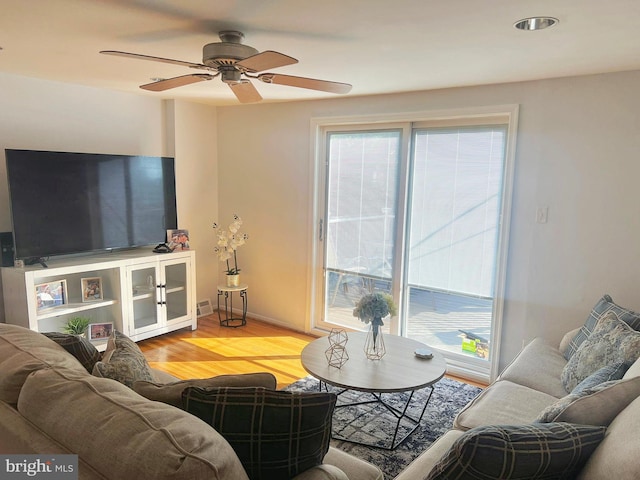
577 150
43 115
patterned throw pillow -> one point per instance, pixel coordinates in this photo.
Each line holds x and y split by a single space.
604 306
78 346
536 451
597 405
275 434
612 341
607 373
123 361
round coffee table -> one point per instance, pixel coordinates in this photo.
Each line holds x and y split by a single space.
398 371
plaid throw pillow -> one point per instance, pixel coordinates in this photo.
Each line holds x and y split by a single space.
535 452
604 306
79 347
275 434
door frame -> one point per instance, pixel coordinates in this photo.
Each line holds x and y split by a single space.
317 202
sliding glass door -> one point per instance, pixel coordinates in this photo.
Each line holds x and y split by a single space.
361 206
452 245
415 211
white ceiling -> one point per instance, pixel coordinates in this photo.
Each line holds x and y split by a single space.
379 46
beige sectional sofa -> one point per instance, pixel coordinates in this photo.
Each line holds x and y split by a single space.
49 403
532 386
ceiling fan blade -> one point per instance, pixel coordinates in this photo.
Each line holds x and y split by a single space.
162 85
303 82
245 91
155 59
265 60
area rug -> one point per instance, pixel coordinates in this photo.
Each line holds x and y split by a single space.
375 425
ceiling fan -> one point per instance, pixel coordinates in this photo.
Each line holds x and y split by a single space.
235 63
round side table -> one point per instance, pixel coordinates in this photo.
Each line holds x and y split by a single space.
227 292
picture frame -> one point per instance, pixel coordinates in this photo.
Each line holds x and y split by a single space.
51 294
99 331
178 239
91 289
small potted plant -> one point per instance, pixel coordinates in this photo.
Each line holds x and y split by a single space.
228 243
77 326
372 308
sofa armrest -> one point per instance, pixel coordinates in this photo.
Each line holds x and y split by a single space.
322 472
564 343
353 468
162 377
421 466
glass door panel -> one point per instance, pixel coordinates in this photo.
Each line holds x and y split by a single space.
455 198
176 291
146 314
362 191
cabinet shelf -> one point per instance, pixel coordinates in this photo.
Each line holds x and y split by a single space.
70 308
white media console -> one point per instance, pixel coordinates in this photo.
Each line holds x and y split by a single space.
144 294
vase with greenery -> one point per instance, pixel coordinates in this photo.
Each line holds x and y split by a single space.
76 326
371 309
229 240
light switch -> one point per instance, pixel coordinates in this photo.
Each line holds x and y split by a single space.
542 214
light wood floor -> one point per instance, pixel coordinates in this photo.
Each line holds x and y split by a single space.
214 350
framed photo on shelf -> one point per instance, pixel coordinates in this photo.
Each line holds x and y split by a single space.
91 289
51 294
178 240
100 331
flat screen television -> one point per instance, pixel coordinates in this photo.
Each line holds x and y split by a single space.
67 203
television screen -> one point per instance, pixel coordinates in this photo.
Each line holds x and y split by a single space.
63 203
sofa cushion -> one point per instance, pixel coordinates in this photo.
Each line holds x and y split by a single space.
537 451
23 351
503 403
121 434
538 366
123 361
276 435
597 405
612 341
81 348
171 393
604 306
617 456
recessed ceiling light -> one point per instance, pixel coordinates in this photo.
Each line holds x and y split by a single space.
535 23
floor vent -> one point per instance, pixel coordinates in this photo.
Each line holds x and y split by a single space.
204 308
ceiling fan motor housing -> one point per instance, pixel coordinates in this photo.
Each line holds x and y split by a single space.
225 53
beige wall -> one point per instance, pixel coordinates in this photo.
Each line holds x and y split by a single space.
577 153
197 187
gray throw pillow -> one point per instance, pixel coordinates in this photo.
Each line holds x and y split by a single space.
604 306
123 361
535 452
597 405
612 341
610 372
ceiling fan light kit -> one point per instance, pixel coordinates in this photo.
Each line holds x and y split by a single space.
234 62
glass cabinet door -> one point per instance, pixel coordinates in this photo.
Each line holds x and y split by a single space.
146 304
175 290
